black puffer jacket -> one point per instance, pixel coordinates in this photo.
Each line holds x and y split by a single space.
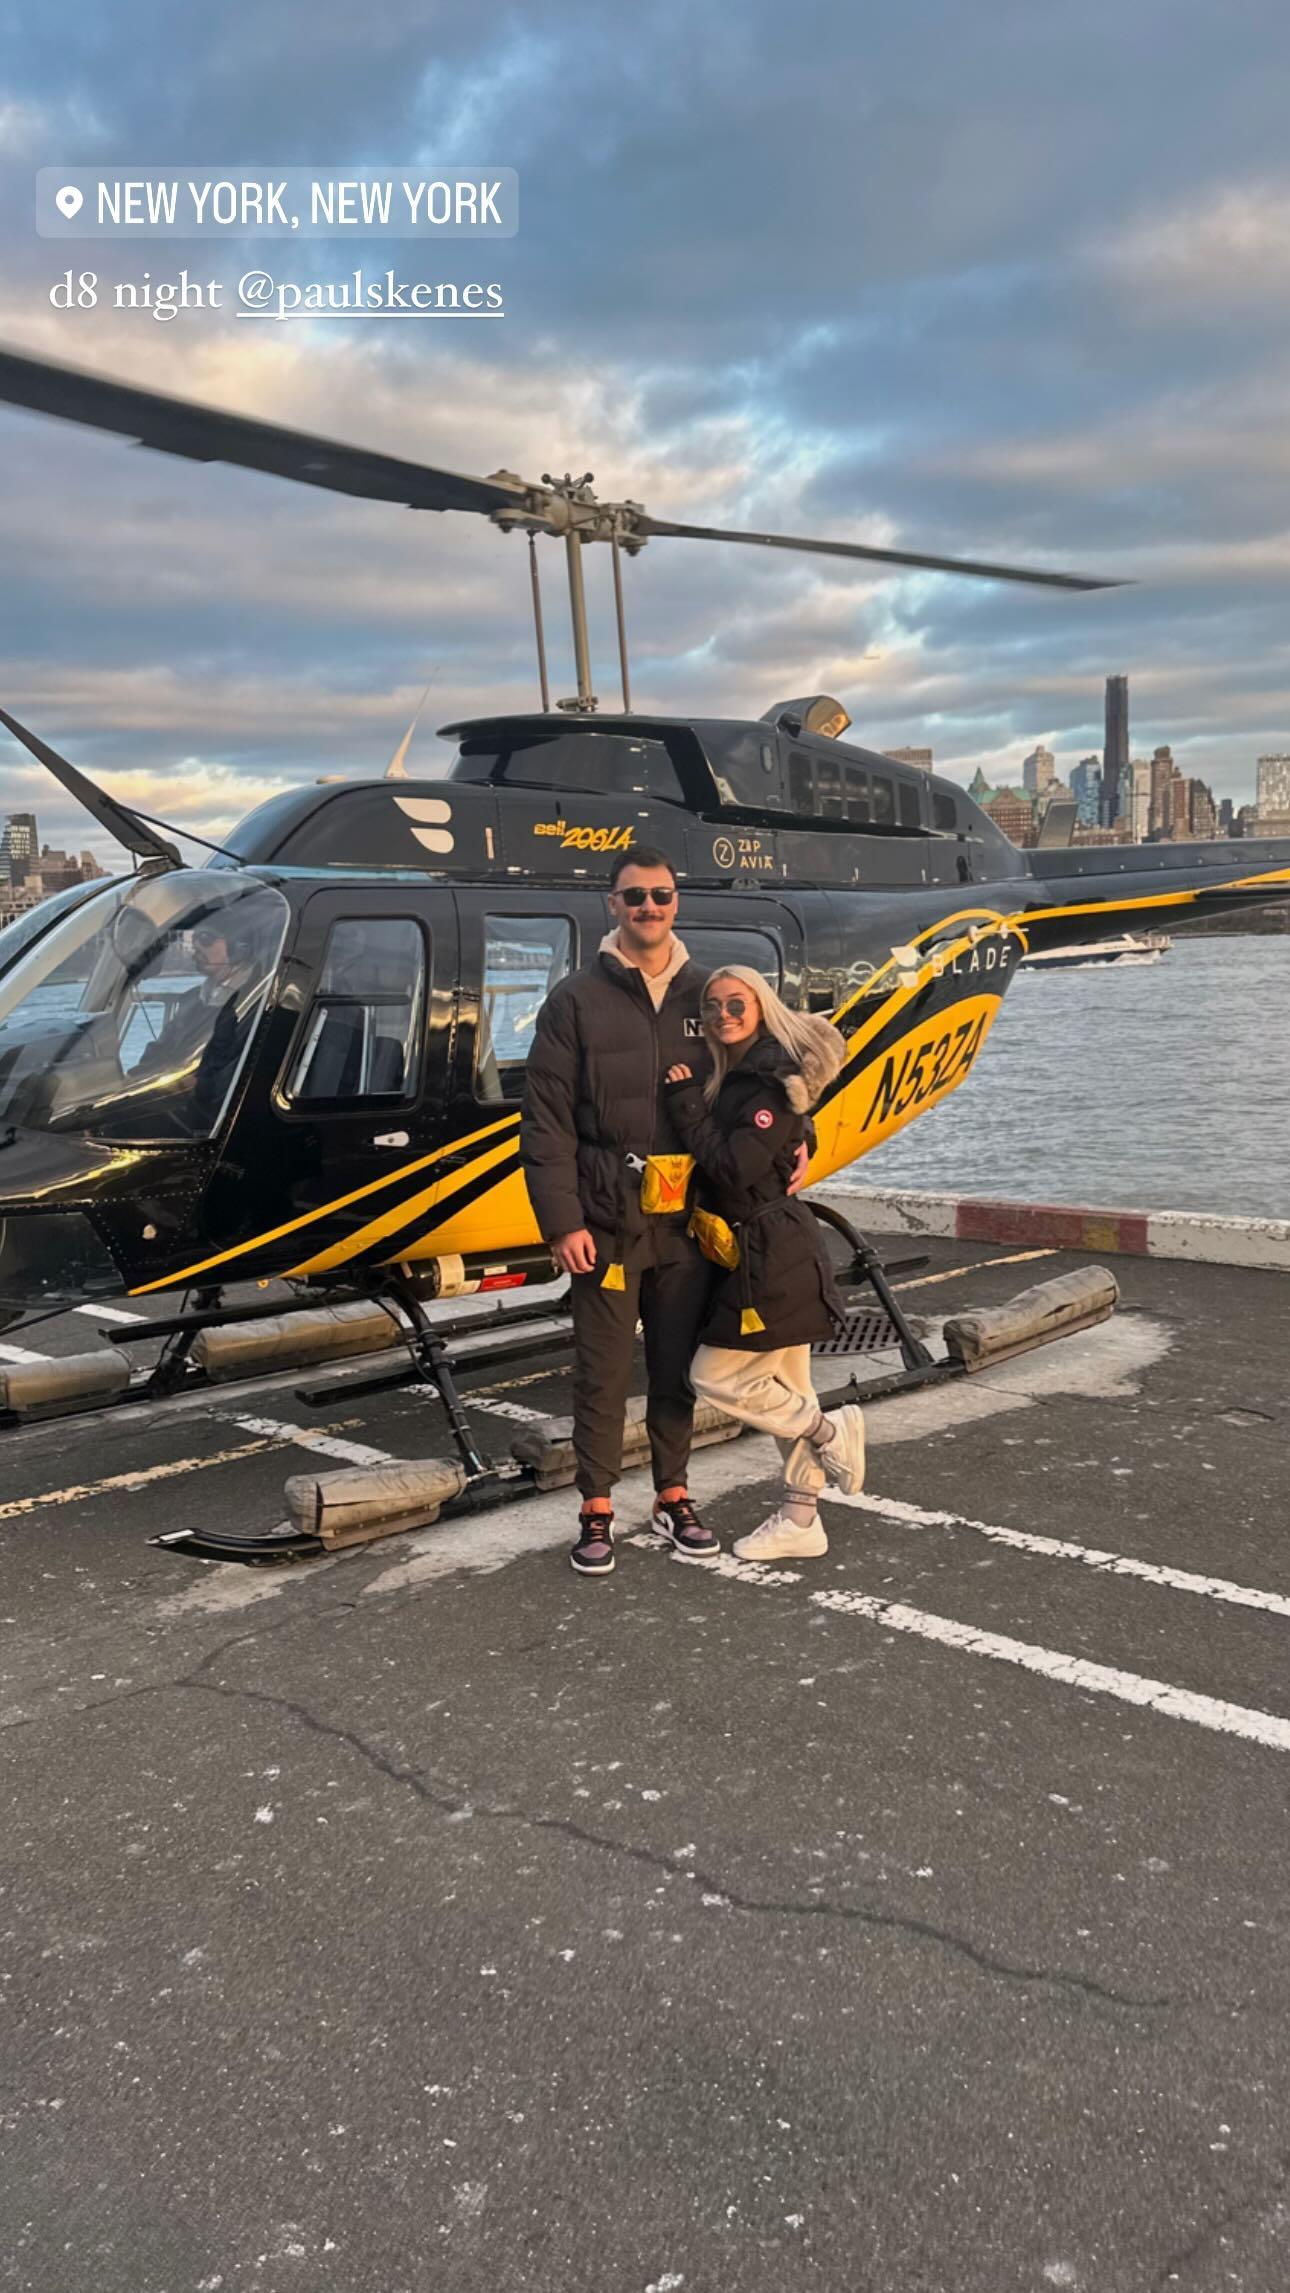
593 1094
745 1146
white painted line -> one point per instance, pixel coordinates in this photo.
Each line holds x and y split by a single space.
1071 1671
18 1354
1057 1548
515 1409
325 1444
107 1314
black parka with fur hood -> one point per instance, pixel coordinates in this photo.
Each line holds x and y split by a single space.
744 1146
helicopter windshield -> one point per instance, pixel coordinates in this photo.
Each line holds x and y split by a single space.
131 1019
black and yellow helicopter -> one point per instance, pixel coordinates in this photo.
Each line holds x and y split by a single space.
303 1059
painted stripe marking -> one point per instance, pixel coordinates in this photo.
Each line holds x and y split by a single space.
107 1314
1071 1671
139 1479
1057 1548
1161 1696
982 1266
325 1444
18 1354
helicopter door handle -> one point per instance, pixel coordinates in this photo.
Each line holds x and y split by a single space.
391 1139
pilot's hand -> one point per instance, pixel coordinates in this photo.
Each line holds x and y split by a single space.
575 1253
679 1075
800 1161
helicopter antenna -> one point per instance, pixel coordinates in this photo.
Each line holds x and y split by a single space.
397 768
124 826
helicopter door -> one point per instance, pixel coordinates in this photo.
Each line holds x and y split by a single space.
361 1090
515 947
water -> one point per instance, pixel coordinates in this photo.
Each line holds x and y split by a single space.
1161 1087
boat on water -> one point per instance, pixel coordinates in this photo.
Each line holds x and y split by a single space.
1130 947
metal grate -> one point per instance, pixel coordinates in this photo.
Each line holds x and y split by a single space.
871 1332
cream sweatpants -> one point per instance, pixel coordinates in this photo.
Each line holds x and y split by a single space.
772 1391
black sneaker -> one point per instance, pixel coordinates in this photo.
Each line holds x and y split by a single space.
675 1518
593 1555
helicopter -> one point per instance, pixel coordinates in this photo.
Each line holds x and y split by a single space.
302 1059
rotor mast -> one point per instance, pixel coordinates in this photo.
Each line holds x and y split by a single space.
568 509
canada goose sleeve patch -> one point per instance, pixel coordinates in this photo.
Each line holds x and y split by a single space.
763 1118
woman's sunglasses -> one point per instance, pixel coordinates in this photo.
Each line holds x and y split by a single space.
733 1008
635 896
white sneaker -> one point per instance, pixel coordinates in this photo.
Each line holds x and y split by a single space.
843 1456
781 1538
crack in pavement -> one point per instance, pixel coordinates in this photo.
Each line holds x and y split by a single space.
455 1801
1262 2200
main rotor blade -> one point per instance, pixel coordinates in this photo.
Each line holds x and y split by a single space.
975 566
122 824
204 434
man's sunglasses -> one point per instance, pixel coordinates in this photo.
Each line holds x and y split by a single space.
734 1008
635 895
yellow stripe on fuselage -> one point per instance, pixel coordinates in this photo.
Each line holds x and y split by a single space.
172 1281
366 1238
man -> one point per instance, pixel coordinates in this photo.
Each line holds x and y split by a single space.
204 1026
594 1110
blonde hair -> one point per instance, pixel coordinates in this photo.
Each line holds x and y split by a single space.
811 1043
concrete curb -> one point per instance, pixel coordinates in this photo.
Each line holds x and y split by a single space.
1199 1235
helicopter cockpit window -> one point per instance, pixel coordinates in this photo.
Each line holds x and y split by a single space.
883 797
583 763
362 1030
524 956
131 1020
911 811
944 817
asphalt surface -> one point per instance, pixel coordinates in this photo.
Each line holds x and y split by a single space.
426 1917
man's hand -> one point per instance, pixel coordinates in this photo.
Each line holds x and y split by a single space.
575 1253
800 1161
678 1075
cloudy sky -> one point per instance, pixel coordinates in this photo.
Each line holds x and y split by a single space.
981 276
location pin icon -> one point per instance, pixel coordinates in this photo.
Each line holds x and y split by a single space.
69 201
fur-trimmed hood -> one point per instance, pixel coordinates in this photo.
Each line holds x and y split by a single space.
804 1077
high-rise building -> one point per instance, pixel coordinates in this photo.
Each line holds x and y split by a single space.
920 758
1178 825
1086 788
1115 751
1274 793
1039 770
1162 773
1135 799
1202 819
1227 817
19 846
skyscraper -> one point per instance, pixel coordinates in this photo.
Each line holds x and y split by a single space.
1115 753
1274 791
1039 770
1086 788
920 758
19 846
1162 773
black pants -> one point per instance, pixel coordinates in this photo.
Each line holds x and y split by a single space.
669 1282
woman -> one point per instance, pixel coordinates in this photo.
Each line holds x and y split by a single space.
769 1065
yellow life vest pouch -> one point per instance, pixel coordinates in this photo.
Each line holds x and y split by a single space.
715 1238
665 1183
